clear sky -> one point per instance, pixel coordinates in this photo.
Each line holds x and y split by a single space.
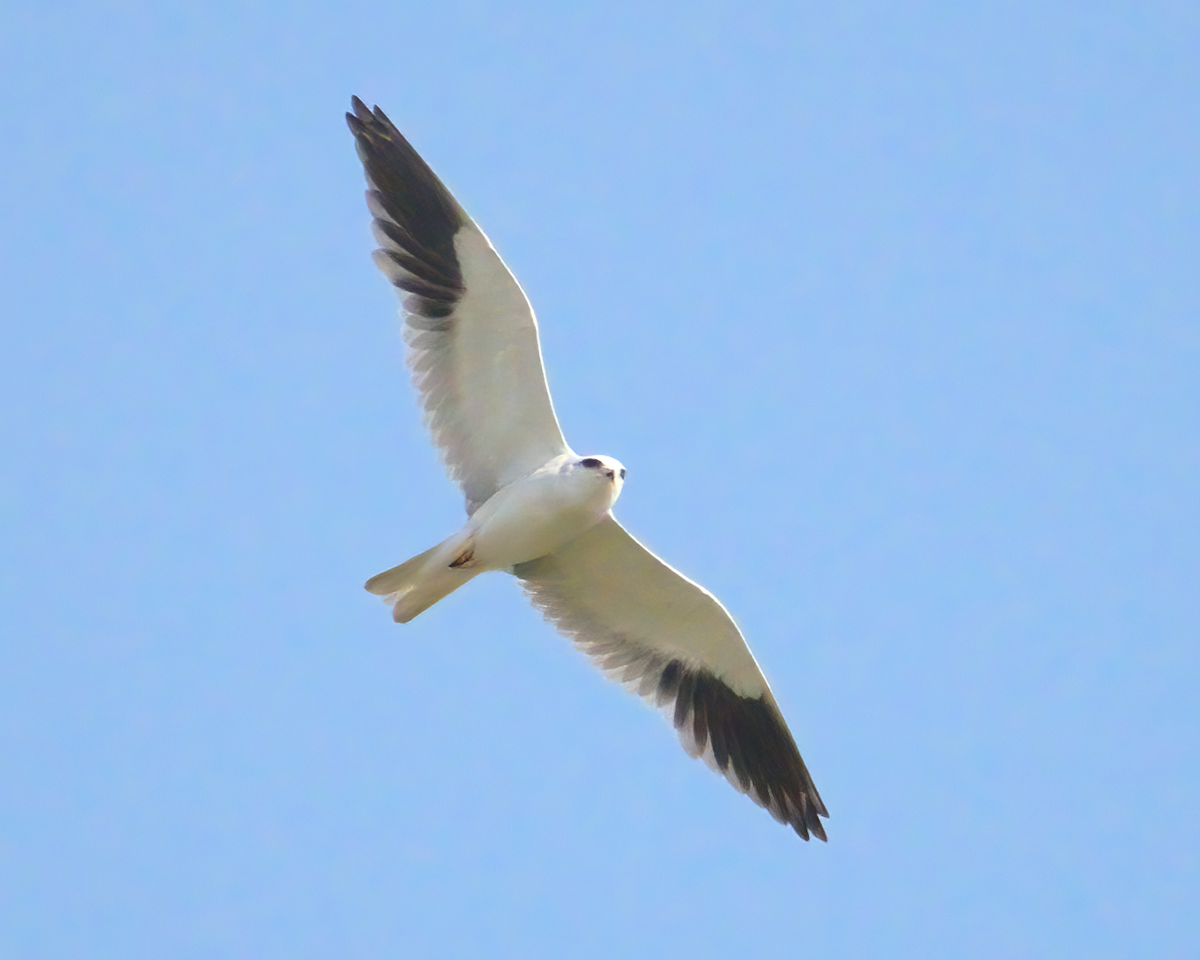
892 311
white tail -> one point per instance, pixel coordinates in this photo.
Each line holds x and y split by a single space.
419 583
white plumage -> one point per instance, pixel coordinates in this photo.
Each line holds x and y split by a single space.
538 509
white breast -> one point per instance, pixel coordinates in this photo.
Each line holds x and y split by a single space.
536 515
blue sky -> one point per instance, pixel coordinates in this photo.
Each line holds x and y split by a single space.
892 311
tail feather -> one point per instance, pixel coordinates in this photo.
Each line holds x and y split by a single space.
396 578
417 584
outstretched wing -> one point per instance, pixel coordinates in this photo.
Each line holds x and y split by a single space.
472 337
671 641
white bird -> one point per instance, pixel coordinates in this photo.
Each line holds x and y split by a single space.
540 511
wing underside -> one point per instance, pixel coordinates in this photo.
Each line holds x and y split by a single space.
671 642
472 337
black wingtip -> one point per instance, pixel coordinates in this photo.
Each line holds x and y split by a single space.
355 120
375 125
750 744
419 217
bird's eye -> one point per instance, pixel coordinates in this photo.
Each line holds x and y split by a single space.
622 473
591 463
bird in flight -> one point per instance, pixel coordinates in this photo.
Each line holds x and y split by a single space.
537 509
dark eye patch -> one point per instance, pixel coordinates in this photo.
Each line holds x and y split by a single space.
591 463
622 473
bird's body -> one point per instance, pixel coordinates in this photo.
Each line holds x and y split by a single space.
540 511
527 519
536 515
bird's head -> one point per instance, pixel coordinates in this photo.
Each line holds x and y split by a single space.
607 471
